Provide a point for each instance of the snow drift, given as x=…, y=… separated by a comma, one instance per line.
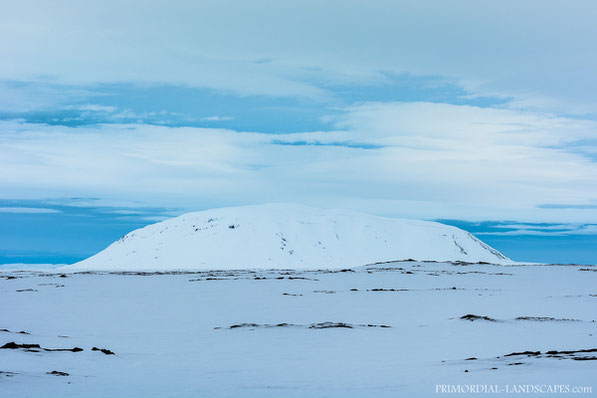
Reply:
x=285, y=236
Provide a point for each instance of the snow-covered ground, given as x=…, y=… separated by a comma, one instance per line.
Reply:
x=172, y=336
x=298, y=237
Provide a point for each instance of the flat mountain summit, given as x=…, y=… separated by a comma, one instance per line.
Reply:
x=285, y=236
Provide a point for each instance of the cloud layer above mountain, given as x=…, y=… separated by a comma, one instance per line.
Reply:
x=411, y=159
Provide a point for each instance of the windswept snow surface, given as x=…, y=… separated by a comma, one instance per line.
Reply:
x=286, y=236
x=231, y=334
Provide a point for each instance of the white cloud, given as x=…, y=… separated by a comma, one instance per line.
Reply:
x=538, y=227
x=431, y=161
x=585, y=230
x=28, y=210
x=559, y=230
x=94, y=108
x=156, y=218
x=35, y=97
x=126, y=212
x=216, y=118
x=541, y=54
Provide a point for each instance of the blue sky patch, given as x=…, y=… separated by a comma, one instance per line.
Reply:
x=50, y=232
x=179, y=105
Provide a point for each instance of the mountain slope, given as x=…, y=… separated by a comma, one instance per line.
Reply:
x=285, y=236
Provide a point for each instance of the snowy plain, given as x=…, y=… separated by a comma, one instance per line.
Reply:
x=171, y=332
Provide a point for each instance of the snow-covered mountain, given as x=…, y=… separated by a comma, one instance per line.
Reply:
x=285, y=236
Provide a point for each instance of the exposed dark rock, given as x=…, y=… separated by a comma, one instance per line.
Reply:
x=244, y=325
x=472, y=317
x=104, y=350
x=321, y=325
x=57, y=373
x=554, y=352
x=545, y=319
x=32, y=347
x=471, y=359
x=74, y=349
x=527, y=353
x=369, y=325
x=259, y=325
x=208, y=279
x=564, y=354
x=327, y=325
x=12, y=346
x=10, y=331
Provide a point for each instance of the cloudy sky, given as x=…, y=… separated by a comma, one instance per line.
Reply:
x=121, y=113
